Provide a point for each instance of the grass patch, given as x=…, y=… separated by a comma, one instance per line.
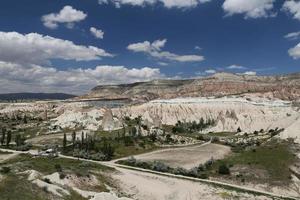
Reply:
x=274, y=157
x=221, y=134
x=48, y=165
x=15, y=188
x=124, y=151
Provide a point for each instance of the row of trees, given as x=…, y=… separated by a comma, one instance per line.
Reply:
x=6, y=138
x=183, y=127
x=89, y=146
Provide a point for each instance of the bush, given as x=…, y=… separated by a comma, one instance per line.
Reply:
x=62, y=176
x=25, y=147
x=203, y=176
x=5, y=170
x=58, y=167
x=47, y=180
x=180, y=171
x=159, y=166
x=223, y=169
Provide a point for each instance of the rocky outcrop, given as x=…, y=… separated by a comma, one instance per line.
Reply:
x=110, y=123
x=230, y=113
x=286, y=87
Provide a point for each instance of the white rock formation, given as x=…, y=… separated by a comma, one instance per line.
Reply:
x=89, y=119
x=230, y=113
x=110, y=123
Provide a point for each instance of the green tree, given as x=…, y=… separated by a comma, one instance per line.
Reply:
x=65, y=142
x=73, y=139
x=108, y=150
x=3, y=136
x=82, y=139
x=8, y=139
x=18, y=140
x=25, y=119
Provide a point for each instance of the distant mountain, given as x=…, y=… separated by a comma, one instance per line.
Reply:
x=35, y=96
x=286, y=87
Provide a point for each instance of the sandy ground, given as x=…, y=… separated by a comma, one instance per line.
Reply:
x=187, y=157
x=4, y=157
x=146, y=186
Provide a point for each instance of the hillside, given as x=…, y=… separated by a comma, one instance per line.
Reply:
x=285, y=87
x=35, y=96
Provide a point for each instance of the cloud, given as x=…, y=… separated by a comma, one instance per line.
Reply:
x=34, y=48
x=292, y=36
x=250, y=8
x=68, y=15
x=154, y=50
x=165, y=3
x=97, y=32
x=163, y=64
x=236, y=67
x=36, y=78
x=210, y=71
x=295, y=51
x=198, y=48
x=292, y=7
x=250, y=73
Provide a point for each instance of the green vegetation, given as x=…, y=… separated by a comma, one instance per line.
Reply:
x=15, y=187
x=191, y=127
x=107, y=145
x=63, y=166
x=274, y=157
x=107, y=148
x=196, y=172
x=50, y=165
x=221, y=134
x=267, y=163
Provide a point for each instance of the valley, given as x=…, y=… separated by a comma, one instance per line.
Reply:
x=244, y=146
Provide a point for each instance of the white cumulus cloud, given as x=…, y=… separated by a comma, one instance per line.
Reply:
x=210, y=71
x=68, y=15
x=36, y=78
x=98, y=33
x=165, y=3
x=154, y=49
x=236, y=67
x=293, y=35
x=34, y=48
x=295, y=51
x=292, y=7
x=249, y=8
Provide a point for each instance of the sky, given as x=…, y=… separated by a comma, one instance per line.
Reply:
x=74, y=45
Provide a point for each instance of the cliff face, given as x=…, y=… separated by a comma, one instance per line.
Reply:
x=285, y=87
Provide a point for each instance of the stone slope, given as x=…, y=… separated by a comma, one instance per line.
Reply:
x=230, y=113
x=286, y=87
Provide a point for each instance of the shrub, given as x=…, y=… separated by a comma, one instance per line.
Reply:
x=47, y=180
x=223, y=169
x=62, y=176
x=58, y=167
x=5, y=170
x=203, y=176
x=159, y=166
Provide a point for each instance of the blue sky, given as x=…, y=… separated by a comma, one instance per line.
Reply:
x=194, y=38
